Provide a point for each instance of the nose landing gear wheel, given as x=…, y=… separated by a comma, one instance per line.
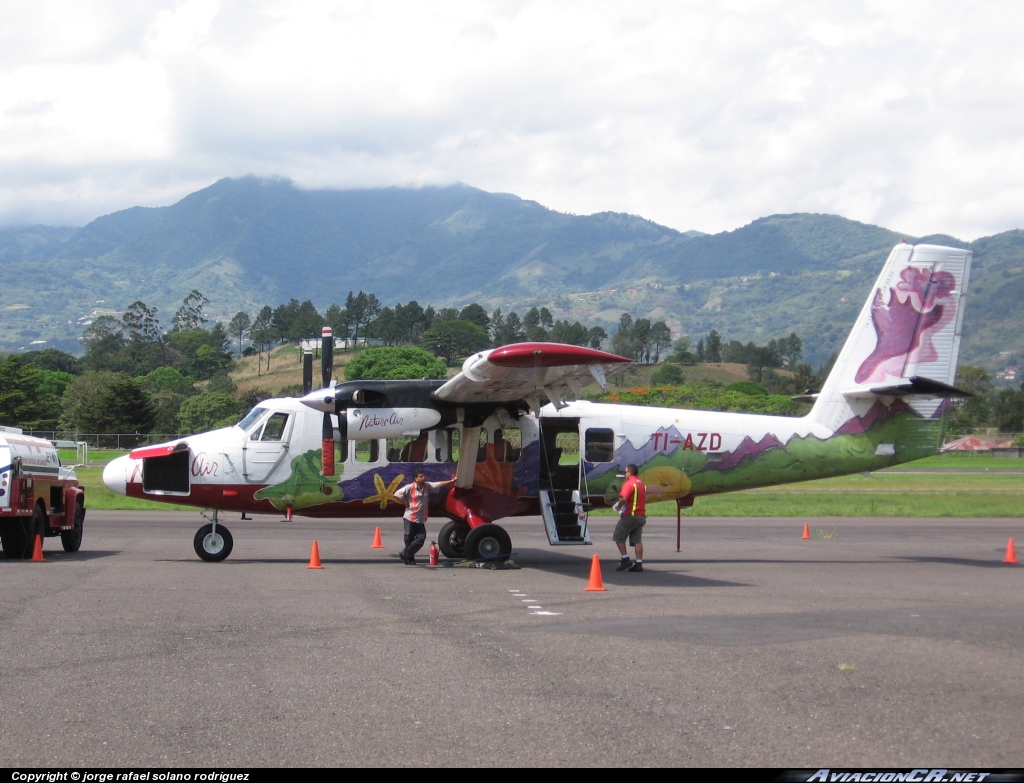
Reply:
x=213, y=547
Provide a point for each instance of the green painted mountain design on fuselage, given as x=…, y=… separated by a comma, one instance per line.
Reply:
x=802, y=458
x=305, y=486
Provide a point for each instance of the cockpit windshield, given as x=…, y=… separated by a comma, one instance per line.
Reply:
x=251, y=417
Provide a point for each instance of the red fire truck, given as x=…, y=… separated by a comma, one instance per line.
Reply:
x=38, y=497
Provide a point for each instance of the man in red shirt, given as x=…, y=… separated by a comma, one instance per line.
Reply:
x=632, y=506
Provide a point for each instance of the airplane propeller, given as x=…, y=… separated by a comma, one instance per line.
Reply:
x=326, y=370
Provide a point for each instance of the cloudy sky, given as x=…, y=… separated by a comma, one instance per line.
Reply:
x=698, y=115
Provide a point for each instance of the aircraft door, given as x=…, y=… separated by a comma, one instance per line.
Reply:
x=266, y=446
x=561, y=465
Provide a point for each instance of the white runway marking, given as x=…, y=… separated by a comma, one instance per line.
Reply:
x=539, y=609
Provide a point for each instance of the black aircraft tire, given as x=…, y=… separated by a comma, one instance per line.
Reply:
x=487, y=541
x=452, y=539
x=71, y=540
x=213, y=548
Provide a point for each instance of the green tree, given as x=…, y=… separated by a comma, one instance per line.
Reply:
x=103, y=339
x=476, y=314
x=22, y=404
x=239, y=325
x=668, y=374
x=262, y=335
x=1008, y=410
x=975, y=412
x=53, y=383
x=52, y=359
x=532, y=322
x=401, y=363
x=140, y=323
x=569, y=333
x=660, y=337
x=507, y=329
x=681, y=353
x=451, y=339
x=190, y=314
x=713, y=347
x=167, y=389
x=208, y=411
x=106, y=402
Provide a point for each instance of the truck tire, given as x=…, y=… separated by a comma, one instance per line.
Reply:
x=71, y=540
x=14, y=535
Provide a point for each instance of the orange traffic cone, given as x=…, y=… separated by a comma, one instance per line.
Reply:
x=376, y=540
x=314, y=557
x=807, y=532
x=596, y=582
x=1011, y=552
x=37, y=551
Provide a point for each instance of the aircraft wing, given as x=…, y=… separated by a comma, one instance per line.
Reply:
x=533, y=372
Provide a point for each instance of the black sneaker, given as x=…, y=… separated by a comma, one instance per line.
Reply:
x=410, y=560
x=637, y=567
x=624, y=564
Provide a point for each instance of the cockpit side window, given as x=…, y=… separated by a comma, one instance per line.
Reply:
x=274, y=428
x=251, y=417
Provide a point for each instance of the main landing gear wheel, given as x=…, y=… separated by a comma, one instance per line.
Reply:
x=213, y=547
x=487, y=541
x=71, y=540
x=452, y=539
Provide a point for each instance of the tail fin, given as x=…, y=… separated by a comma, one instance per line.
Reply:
x=906, y=340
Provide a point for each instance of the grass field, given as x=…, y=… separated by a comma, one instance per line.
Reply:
x=946, y=486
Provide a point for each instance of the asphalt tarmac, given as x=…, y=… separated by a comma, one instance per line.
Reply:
x=880, y=642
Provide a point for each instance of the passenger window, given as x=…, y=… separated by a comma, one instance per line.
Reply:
x=408, y=449
x=273, y=430
x=448, y=445
x=600, y=445
x=508, y=444
x=367, y=450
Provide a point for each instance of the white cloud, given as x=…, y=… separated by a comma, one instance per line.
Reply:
x=694, y=115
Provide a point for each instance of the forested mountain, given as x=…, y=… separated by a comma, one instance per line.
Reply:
x=250, y=242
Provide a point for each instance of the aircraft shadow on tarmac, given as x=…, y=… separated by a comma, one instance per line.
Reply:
x=961, y=561
x=657, y=573
x=57, y=556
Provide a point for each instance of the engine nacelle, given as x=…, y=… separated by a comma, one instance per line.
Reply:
x=374, y=423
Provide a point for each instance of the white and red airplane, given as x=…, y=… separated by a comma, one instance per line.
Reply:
x=504, y=426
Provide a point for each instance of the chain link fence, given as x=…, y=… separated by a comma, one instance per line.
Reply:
x=119, y=441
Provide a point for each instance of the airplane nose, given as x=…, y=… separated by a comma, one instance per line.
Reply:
x=115, y=475
x=321, y=400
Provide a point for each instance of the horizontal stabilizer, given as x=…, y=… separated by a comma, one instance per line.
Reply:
x=916, y=386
